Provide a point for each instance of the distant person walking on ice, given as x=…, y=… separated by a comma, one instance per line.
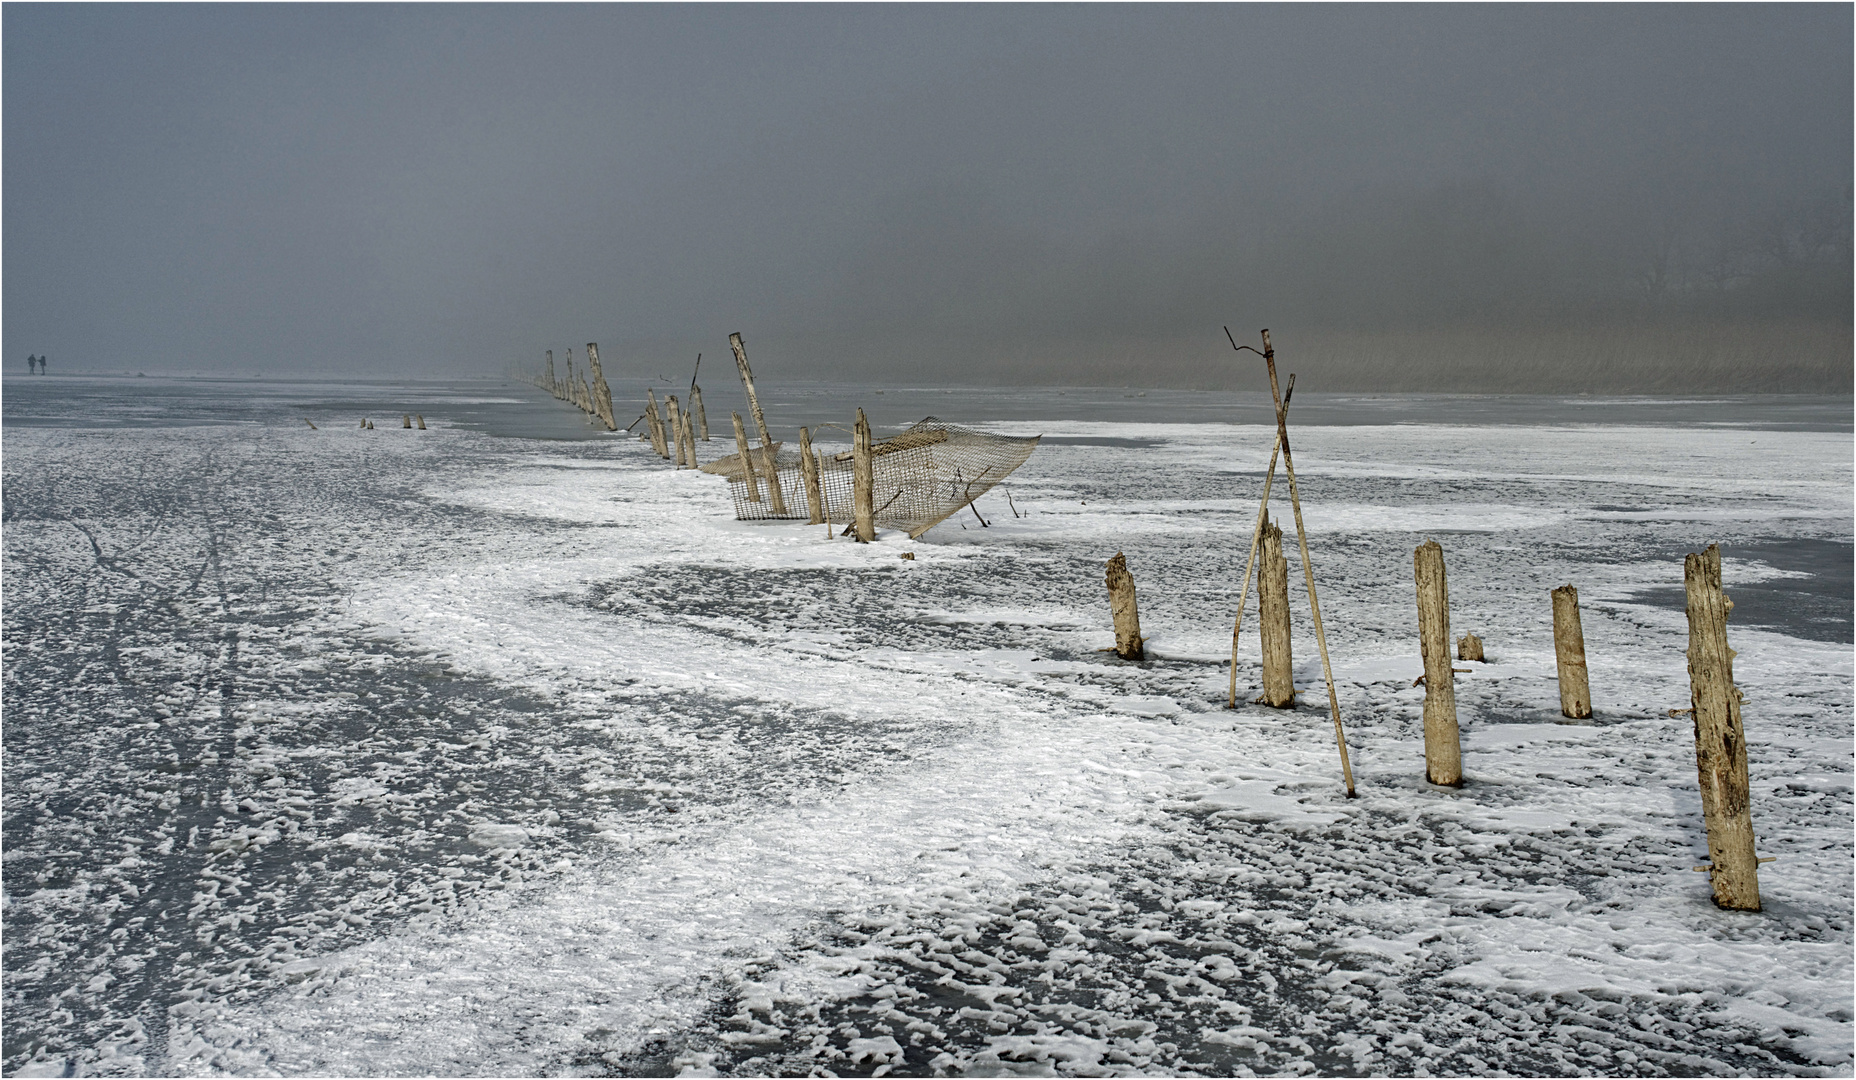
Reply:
x=42, y=365
x=32, y=364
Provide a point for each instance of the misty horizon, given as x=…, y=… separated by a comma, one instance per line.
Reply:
x=1410, y=198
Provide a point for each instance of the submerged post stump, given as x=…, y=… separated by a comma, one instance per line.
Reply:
x=1273, y=619
x=863, y=481
x=702, y=418
x=1469, y=647
x=1443, y=749
x=1720, y=741
x=1122, y=607
x=747, y=459
x=808, y=471
x=1569, y=650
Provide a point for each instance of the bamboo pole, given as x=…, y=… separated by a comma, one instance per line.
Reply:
x=1123, y=609
x=808, y=469
x=760, y=424
x=1256, y=537
x=1720, y=740
x=1569, y=652
x=863, y=481
x=747, y=460
x=1273, y=621
x=1308, y=567
x=1443, y=749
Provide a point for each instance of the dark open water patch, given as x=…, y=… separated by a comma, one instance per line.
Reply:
x=1816, y=608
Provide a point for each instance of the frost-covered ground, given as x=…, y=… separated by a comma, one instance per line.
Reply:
x=457, y=752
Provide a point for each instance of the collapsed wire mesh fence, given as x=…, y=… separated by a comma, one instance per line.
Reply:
x=920, y=477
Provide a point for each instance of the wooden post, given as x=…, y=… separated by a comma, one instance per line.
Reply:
x=554, y=386
x=1720, y=741
x=1469, y=647
x=689, y=440
x=1256, y=538
x=1308, y=567
x=676, y=426
x=818, y=470
x=1443, y=748
x=421, y=418
x=1569, y=650
x=808, y=469
x=771, y=467
x=747, y=459
x=863, y=481
x=1122, y=607
x=1273, y=621
x=655, y=421
x=602, y=394
x=702, y=418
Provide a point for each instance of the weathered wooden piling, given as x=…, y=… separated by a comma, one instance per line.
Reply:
x=808, y=471
x=1124, y=610
x=406, y=421
x=1569, y=651
x=747, y=459
x=655, y=420
x=1256, y=541
x=1443, y=749
x=1720, y=741
x=1469, y=647
x=863, y=481
x=702, y=418
x=689, y=440
x=1273, y=620
x=676, y=427
x=312, y=427
x=770, y=466
x=601, y=393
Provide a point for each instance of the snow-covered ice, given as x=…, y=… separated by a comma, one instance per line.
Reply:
x=499, y=748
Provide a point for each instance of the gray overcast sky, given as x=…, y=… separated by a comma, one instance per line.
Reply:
x=864, y=189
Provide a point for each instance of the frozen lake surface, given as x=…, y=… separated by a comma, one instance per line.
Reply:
x=499, y=748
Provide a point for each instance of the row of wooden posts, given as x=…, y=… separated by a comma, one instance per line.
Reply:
x=1720, y=743
x=592, y=398
x=674, y=429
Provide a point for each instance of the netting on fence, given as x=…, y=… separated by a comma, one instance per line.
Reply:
x=922, y=476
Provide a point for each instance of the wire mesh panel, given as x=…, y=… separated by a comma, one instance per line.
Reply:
x=922, y=476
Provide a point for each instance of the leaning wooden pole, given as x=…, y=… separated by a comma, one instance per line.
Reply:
x=760, y=424
x=1256, y=537
x=701, y=426
x=1308, y=568
x=1720, y=740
